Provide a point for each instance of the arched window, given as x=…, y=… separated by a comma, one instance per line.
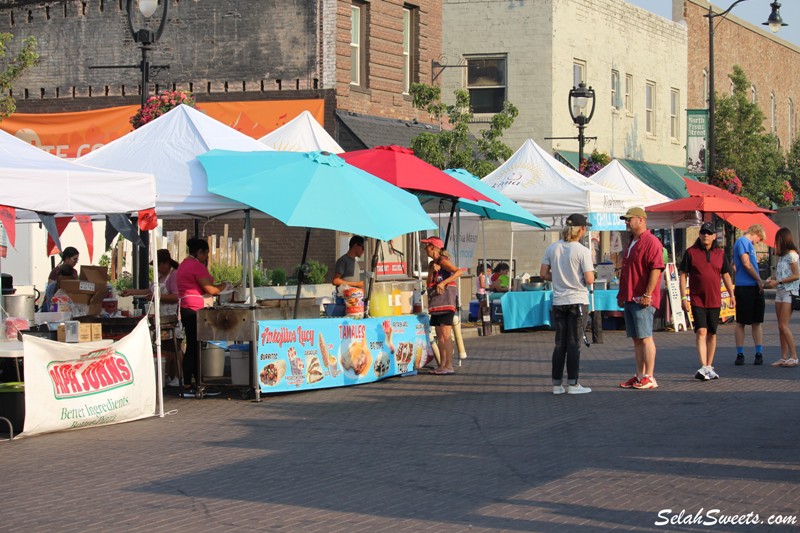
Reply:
x=773, y=113
x=791, y=121
x=753, y=94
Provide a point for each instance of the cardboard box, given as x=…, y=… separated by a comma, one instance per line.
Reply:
x=97, y=331
x=85, y=333
x=88, y=290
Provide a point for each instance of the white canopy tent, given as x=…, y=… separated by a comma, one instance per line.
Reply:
x=544, y=186
x=34, y=180
x=167, y=147
x=301, y=134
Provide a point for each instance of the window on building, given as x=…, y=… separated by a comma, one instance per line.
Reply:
x=791, y=121
x=674, y=113
x=773, y=113
x=650, y=107
x=753, y=94
x=410, y=18
x=629, y=93
x=706, y=97
x=486, y=83
x=358, y=49
x=615, y=89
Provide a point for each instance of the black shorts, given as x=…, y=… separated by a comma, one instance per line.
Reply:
x=442, y=320
x=707, y=318
x=749, y=305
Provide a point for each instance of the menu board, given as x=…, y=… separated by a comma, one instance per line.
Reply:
x=298, y=355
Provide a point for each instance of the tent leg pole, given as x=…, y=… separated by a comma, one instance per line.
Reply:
x=157, y=319
x=300, y=274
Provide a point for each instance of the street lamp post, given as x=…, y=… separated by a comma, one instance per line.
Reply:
x=775, y=22
x=579, y=98
x=146, y=37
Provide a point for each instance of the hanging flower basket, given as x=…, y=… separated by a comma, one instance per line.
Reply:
x=159, y=104
x=726, y=179
x=787, y=194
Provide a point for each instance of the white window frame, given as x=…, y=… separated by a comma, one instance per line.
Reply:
x=753, y=94
x=615, y=89
x=791, y=121
x=578, y=76
x=356, y=21
x=629, y=93
x=407, y=44
x=650, y=107
x=674, y=113
x=773, y=113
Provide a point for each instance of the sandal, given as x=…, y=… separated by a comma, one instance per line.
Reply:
x=791, y=362
x=779, y=362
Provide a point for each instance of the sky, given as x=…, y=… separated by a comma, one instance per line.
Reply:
x=753, y=11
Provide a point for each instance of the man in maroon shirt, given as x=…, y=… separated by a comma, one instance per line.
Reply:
x=640, y=295
x=704, y=263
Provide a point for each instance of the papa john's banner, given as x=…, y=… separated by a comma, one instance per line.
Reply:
x=74, y=386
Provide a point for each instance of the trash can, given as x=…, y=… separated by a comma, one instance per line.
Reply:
x=213, y=361
x=240, y=359
x=12, y=406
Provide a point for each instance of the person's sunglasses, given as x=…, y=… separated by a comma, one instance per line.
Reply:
x=706, y=233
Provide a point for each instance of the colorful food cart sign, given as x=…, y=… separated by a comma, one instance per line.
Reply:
x=298, y=355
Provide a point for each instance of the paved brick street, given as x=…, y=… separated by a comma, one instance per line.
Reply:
x=487, y=449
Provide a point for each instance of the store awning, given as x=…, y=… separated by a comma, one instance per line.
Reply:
x=666, y=179
x=359, y=132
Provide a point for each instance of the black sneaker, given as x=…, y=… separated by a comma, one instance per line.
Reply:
x=739, y=359
x=759, y=359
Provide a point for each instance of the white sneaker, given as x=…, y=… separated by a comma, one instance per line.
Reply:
x=175, y=382
x=710, y=373
x=578, y=389
x=702, y=374
x=558, y=389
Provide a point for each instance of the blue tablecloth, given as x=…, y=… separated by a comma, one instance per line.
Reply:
x=528, y=309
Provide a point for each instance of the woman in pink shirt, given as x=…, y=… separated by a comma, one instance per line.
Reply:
x=194, y=281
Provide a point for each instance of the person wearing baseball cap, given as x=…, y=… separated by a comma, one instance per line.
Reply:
x=568, y=264
x=704, y=263
x=442, y=295
x=640, y=295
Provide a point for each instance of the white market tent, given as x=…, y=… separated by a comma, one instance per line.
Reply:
x=544, y=186
x=34, y=180
x=167, y=147
x=301, y=134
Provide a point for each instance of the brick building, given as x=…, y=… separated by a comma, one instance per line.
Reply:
x=769, y=62
x=359, y=57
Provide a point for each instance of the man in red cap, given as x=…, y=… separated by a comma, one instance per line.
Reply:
x=640, y=295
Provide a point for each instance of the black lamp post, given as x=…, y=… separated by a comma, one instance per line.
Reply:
x=146, y=37
x=775, y=22
x=579, y=98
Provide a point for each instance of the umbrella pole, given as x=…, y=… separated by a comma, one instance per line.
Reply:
x=459, y=339
x=672, y=242
x=157, y=319
x=248, y=229
x=300, y=274
x=449, y=224
x=373, y=267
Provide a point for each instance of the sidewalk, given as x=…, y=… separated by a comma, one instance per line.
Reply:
x=489, y=449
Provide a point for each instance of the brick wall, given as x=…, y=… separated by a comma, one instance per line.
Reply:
x=769, y=62
x=382, y=95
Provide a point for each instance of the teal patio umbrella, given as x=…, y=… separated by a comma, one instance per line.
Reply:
x=314, y=190
x=505, y=208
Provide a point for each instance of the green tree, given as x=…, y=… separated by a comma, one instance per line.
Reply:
x=14, y=68
x=453, y=147
x=743, y=145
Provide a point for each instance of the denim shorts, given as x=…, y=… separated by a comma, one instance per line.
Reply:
x=639, y=320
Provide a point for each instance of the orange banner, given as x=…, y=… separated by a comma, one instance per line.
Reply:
x=72, y=135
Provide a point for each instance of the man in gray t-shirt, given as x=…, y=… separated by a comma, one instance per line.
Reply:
x=346, y=271
x=568, y=264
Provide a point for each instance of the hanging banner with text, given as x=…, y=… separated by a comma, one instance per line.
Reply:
x=696, y=135
x=72, y=135
x=74, y=386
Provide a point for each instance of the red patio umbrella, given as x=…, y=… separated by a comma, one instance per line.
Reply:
x=400, y=167
x=706, y=204
x=739, y=220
